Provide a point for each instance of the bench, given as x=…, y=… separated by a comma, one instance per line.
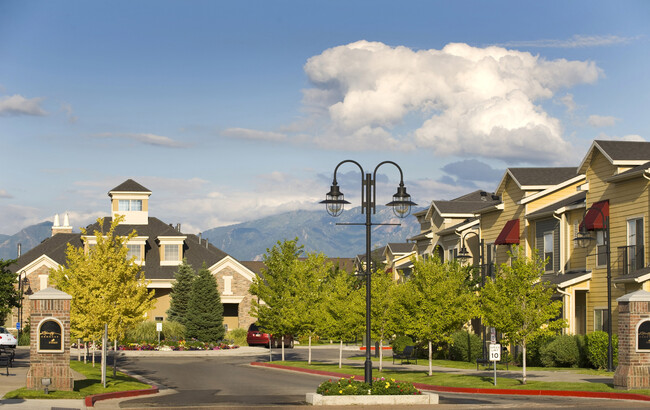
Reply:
x=9, y=351
x=4, y=361
x=406, y=355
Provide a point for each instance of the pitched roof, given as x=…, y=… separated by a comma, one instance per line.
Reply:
x=196, y=253
x=575, y=199
x=469, y=222
x=129, y=186
x=619, y=153
x=541, y=176
x=401, y=247
x=467, y=204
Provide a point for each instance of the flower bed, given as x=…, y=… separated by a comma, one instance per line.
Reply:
x=178, y=346
x=351, y=387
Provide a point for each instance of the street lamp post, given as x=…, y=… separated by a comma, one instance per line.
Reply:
x=22, y=283
x=401, y=204
x=583, y=239
x=464, y=255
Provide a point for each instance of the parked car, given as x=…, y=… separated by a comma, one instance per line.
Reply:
x=6, y=338
x=256, y=337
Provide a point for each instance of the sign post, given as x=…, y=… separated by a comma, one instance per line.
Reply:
x=495, y=356
x=159, y=329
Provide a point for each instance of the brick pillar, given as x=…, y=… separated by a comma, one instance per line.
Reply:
x=633, y=371
x=50, y=340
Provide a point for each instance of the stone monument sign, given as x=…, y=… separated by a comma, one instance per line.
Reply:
x=633, y=370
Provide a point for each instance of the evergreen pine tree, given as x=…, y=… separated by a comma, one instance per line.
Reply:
x=181, y=292
x=204, y=317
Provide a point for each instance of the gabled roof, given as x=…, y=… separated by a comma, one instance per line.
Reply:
x=566, y=279
x=465, y=206
x=466, y=224
x=618, y=153
x=574, y=200
x=129, y=186
x=396, y=248
x=196, y=253
x=631, y=173
x=536, y=179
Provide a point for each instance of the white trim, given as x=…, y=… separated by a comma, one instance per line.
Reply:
x=581, y=278
x=37, y=263
x=232, y=299
x=554, y=188
x=235, y=265
x=227, y=286
x=160, y=283
x=170, y=263
x=171, y=240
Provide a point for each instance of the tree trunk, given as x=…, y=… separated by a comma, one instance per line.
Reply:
x=282, y=341
x=115, y=358
x=430, y=359
x=381, y=354
x=85, y=352
x=93, y=353
x=309, y=354
x=341, y=353
x=78, y=350
x=523, y=346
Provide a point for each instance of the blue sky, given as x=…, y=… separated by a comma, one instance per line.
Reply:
x=230, y=111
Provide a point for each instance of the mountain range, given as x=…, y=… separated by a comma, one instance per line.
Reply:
x=247, y=241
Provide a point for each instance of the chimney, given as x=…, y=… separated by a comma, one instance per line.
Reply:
x=178, y=227
x=19, y=249
x=199, y=238
x=57, y=228
x=206, y=243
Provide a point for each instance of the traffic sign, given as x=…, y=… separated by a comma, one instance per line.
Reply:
x=495, y=352
x=17, y=325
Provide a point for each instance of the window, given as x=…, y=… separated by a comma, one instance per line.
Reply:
x=171, y=253
x=134, y=250
x=600, y=319
x=635, y=244
x=601, y=249
x=130, y=205
x=452, y=254
x=548, y=251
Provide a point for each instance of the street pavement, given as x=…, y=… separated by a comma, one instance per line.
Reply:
x=245, y=395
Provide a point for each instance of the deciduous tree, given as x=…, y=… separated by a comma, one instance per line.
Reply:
x=517, y=304
x=9, y=297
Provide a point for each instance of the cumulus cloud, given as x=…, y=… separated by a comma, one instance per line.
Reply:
x=255, y=135
x=145, y=138
x=5, y=194
x=473, y=170
x=629, y=137
x=16, y=105
x=467, y=101
x=598, y=121
x=576, y=41
x=568, y=102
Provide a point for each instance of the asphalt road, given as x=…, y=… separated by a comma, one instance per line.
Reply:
x=227, y=382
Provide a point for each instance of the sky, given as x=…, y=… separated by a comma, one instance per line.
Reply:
x=231, y=111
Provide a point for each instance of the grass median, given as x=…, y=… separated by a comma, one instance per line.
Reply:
x=92, y=384
x=441, y=378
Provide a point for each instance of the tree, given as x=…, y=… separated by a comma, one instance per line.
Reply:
x=343, y=308
x=181, y=292
x=9, y=297
x=105, y=286
x=382, y=308
x=204, y=317
x=276, y=290
x=518, y=304
x=436, y=301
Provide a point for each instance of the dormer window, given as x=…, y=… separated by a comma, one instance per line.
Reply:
x=130, y=205
x=171, y=250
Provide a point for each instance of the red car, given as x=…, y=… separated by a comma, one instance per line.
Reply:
x=256, y=337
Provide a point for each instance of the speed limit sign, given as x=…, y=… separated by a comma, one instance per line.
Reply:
x=495, y=352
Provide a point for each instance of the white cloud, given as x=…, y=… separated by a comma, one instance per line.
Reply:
x=249, y=134
x=598, y=121
x=145, y=138
x=568, y=102
x=629, y=137
x=576, y=41
x=5, y=194
x=18, y=105
x=468, y=101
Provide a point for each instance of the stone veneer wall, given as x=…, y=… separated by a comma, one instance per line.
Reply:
x=239, y=286
x=633, y=370
x=50, y=303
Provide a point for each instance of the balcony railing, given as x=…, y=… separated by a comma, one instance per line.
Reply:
x=629, y=259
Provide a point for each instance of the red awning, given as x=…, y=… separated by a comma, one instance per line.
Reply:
x=509, y=234
x=594, y=218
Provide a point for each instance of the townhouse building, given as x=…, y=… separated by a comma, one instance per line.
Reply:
x=545, y=208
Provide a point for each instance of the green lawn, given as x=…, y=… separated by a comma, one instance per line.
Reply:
x=472, y=365
x=451, y=380
x=82, y=388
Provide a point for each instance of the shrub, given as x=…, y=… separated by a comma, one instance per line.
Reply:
x=465, y=346
x=146, y=332
x=597, y=349
x=401, y=342
x=24, y=340
x=351, y=387
x=237, y=336
x=581, y=342
x=533, y=347
x=561, y=352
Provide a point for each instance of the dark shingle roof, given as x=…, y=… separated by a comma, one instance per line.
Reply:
x=194, y=252
x=129, y=186
x=625, y=150
x=453, y=228
x=572, y=200
x=401, y=247
x=558, y=279
x=542, y=176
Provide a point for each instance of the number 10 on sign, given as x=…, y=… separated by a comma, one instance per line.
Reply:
x=495, y=356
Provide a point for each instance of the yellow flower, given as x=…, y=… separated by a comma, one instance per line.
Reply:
x=340, y=391
x=387, y=384
x=392, y=380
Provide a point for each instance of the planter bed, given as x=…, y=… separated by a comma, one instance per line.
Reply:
x=316, y=399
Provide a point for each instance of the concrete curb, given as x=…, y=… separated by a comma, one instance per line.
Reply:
x=90, y=400
x=422, y=386
x=316, y=399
